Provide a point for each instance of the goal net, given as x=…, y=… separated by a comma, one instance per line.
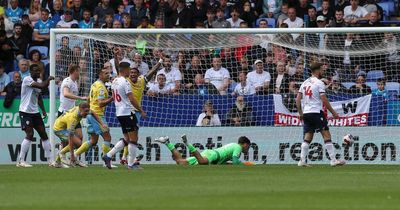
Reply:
x=217, y=85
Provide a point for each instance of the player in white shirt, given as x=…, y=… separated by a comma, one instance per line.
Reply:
x=312, y=95
x=259, y=78
x=218, y=76
x=125, y=103
x=69, y=93
x=173, y=75
x=29, y=114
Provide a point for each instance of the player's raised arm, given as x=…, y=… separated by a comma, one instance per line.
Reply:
x=153, y=70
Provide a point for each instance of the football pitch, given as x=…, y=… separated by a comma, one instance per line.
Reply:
x=227, y=187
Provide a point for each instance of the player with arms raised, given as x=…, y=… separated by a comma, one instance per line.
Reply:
x=228, y=152
x=312, y=92
x=138, y=84
x=98, y=99
x=124, y=103
x=31, y=100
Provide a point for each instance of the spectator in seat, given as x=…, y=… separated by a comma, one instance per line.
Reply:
x=23, y=66
x=243, y=87
x=4, y=78
x=355, y=13
x=218, y=76
x=65, y=50
x=173, y=75
x=312, y=15
x=77, y=10
x=299, y=76
x=67, y=20
x=220, y=21
x=280, y=80
x=338, y=21
x=271, y=8
x=248, y=14
x=14, y=12
x=120, y=9
x=294, y=21
x=19, y=44
x=140, y=64
x=6, y=52
x=335, y=87
x=360, y=87
x=87, y=20
x=126, y=21
x=326, y=11
x=289, y=99
x=244, y=65
x=373, y=20
x=12, y=90
x=101, y=11
x=56, y=11
x=180, y=17
x=241, y=114
x=34, y=11
x=198, y=12
x=145, y=23
x=235, y=20
x=225, y=8
x=27, y=28
x=259, y=78
x=283, y=14
x=161, y=88
x=381, y=91
x=117, y=24
x=41, y=31
x=209, y=116
x=108, y=21
x=137, y=12
x=390, y=44
x=199, y=87
x=36, y=58
x=302, y=8
x=193, y=69
x=211, y=13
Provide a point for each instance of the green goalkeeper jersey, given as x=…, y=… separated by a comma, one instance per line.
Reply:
x=229, y=152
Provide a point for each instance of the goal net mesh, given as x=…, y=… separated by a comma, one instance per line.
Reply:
x=266, y=69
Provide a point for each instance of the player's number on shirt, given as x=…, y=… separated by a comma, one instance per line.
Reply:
x=116, y=96
x=308, y=91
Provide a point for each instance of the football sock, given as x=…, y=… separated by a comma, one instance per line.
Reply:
x=65, y=150
x=191, y=148
x=132, y=153
x=118, y=147
x=170, y=146
x=83, y=148
x=304, y=150
x=106, y=147
x=24, y=149
x=125, y=153
x=47, y=149
x=331, y=150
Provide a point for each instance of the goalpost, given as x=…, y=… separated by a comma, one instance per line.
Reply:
x=274, y=128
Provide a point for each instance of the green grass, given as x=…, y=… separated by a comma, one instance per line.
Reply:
x=164, y=187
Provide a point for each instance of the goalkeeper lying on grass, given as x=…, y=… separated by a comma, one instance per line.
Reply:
x=229, y=152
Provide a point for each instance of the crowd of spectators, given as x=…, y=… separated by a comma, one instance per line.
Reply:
x=238, y=71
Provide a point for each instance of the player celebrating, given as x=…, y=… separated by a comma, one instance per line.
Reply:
x=229, y=152
x=124, y=104
x=312, y=91
x=98, y=101
x=69, y=93
x=64, y=128
x=29, y=114
x=138, y=84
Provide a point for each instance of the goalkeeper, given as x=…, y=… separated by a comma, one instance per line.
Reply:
x=228, y=152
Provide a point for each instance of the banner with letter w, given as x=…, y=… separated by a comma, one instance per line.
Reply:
x=353, y=112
